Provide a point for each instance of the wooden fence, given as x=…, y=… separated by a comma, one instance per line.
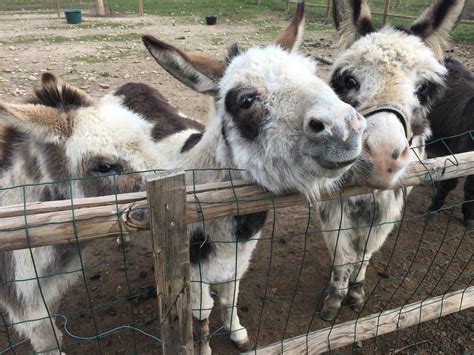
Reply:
x=385, y=14
x=171, y=205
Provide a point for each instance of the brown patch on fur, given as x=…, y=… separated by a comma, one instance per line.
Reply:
x=53, y=121
x=154, y=107
x=9, y=140
x=32, y=168
x=453, y=114
x=56, y=161
x=248, y=121
x=192, y=140
x=163, y=53
x=210, y=67
x=291, y=37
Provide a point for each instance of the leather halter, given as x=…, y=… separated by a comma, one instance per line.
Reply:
x=397, y=110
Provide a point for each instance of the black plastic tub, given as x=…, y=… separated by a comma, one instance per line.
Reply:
x=211, y=20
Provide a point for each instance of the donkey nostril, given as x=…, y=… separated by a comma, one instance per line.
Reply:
x=316, y=125
x=395, y=153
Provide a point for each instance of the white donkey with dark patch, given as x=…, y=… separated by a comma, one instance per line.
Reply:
x=271, y=117
x=274, y=118
x=392, y=77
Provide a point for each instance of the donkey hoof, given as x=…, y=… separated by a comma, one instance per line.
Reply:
x=328, y=314
x=243, y=346
x=355, y=304
x=241, y=339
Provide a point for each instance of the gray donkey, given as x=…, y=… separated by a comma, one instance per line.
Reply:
x=392, y=76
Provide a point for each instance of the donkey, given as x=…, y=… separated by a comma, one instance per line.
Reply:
x=278, y=122
x=392, y=77
x=452, y=116
x=272, y=117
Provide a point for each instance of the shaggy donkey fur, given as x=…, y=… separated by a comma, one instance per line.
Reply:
x=271, y=118
x=393, y=77
x=453, y=115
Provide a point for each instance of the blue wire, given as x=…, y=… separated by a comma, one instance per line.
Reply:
x=101, y=335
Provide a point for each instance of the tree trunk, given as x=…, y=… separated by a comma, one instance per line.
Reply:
x=100, y=8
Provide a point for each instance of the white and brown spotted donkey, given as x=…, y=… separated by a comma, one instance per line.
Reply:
x=271, y=117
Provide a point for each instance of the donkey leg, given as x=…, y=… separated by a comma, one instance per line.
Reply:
x=202, y=304
x=356, y=295
x=442, y=190
x=468, y=206
x=228, y=295
x=34, y=322
x=343, y=267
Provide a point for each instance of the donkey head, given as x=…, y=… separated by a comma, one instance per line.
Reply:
x=276, y=118
x=75, y=136
x=392, y=77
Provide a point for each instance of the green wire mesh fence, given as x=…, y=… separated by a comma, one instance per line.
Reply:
x=419, y=293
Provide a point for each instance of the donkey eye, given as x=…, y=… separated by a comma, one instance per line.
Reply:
x=350, y=82
x=247, y=101
x=421, y=89
x=104, y=168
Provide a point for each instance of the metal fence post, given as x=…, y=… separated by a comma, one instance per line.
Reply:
x=166, y=193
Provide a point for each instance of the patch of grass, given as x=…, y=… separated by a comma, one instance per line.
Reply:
x=216, y=41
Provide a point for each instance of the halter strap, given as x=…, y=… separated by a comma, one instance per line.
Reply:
x=397, y=110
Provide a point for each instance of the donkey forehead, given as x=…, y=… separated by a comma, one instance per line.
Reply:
x=109, y=128
x=391, y=51
x=270, y=68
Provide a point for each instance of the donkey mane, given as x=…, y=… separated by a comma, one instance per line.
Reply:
x=64, y=97
x=233, y=51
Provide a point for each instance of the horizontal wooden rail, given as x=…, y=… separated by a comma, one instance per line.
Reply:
x=56, y=222
x=465, y=22
x=373, y=325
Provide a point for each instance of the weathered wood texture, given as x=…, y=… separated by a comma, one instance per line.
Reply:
x=108, y=216
x=373, y=325
x=386, y=6
x=167, y=206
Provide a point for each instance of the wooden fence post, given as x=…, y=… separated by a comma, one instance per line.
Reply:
x=140, y=8
x=328, y=10
x=287, y=8
x=386, y=7
x=167, y=208
x=57, y=9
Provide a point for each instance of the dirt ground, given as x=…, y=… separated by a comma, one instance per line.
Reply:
x=421, y=259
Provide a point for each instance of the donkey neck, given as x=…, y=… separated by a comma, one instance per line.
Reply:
x=214, y=153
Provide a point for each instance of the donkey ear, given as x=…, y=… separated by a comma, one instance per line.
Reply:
x=436, y=22
x=352, y=20
x=292, y=37
x=45, y=123
x=198, y=72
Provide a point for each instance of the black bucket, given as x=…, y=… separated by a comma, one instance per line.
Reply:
x=211, y=20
